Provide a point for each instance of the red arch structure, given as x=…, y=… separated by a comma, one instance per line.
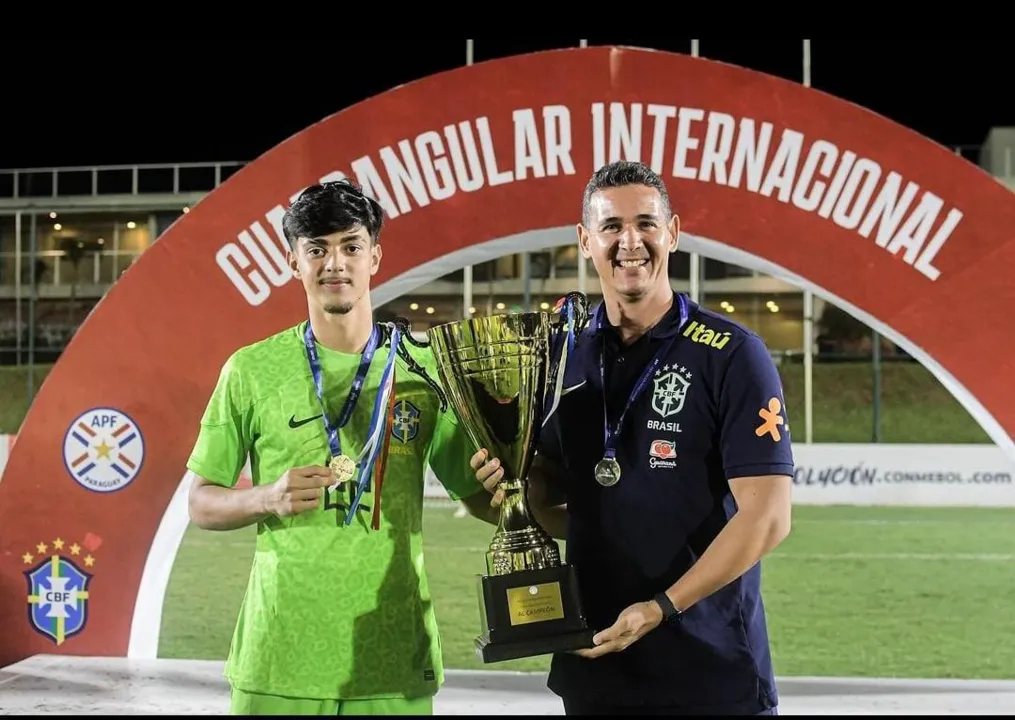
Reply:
x=471, y=164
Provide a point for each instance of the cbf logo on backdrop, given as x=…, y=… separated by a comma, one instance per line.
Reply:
x=103, y=450
x=58, y=580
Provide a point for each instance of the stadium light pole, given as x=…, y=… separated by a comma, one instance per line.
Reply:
x=583, y=267
x=693, y=259
x=808, y=311
x=461, y=510
x=876, y=369
x=467, y=270
x=17, y=286
x=33, y=256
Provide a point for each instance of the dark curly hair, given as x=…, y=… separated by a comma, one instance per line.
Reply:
x=332, y=207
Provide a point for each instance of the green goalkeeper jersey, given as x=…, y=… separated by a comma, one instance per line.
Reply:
x=333, y=611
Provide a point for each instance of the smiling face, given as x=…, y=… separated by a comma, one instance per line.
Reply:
x=629, y=234
x=335, y=269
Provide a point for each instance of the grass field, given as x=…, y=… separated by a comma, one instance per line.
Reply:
x=915, y=407
x=854, y=591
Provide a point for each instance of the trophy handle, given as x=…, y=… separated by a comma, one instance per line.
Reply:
x=405, y=335
x=574, y=307
x=573, y=316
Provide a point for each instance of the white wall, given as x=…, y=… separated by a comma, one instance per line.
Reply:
x=914, y=475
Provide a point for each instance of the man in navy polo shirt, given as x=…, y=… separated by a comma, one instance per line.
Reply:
x=667, y=468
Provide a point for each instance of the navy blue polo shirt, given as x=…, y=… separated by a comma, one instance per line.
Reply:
x=713, y=411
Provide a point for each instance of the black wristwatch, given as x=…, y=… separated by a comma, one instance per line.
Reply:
x=670, y=612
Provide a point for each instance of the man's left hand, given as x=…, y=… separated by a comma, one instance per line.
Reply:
x=632, y=624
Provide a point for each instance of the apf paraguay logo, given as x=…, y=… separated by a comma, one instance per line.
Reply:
x=58, y=586
x=103, y=450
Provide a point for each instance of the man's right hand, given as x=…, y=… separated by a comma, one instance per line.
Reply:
x=489, y=472
x=546, y=506
x=298, y=490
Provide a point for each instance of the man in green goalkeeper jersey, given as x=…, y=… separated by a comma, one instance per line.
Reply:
x=337, y=617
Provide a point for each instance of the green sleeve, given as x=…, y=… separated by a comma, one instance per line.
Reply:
x=224, y=437
x=449, y=455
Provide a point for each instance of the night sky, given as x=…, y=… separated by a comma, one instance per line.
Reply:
x=243, y=100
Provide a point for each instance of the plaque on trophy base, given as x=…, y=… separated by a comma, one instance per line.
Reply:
x=531, y=612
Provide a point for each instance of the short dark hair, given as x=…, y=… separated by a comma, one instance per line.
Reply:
x=619, y=174
x=332, y=207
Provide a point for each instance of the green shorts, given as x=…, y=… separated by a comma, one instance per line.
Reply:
x=247, y=703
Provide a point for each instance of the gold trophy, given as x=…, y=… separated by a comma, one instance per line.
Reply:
x=502, y=375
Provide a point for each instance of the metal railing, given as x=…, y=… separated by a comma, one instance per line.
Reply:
x=100, y=180
x=1002, y=167
x=968, y=152
x=555, y=277
x=176, y=178
x=104, y=267
x=54, y=269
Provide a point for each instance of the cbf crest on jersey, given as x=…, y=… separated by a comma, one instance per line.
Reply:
x=405, y=425
x=58, y=581
x=103, y=450
x=670, y=389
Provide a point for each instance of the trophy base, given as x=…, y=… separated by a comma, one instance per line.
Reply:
x=490, y=652
x=531, y=612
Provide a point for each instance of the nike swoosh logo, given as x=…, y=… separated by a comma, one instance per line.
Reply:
x=294, y=423
x=565, y=391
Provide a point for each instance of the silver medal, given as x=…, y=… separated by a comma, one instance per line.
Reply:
x=607, y=472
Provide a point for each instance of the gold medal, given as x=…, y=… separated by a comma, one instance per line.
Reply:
x=343, y=467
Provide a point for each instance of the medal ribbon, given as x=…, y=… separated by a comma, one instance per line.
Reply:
x=372, y=445
x=378, y=423
x=383, y=462
x=613, y=433
x=314, y=360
